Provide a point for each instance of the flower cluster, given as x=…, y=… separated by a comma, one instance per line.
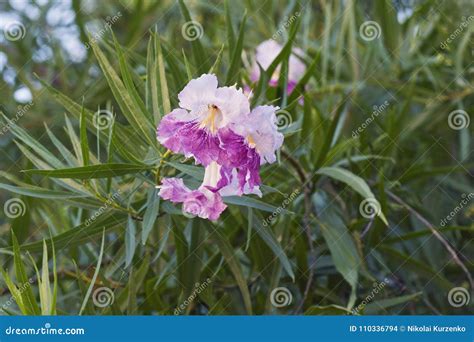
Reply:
x=215, y=126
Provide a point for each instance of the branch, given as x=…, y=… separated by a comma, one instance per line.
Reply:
x=437, y=234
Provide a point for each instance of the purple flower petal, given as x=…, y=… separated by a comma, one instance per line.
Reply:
x=201, y=202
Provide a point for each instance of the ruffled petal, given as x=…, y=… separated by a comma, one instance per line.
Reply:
x=198, y=93
x=241, y=157
x=201, y=202
x=205, y=204
x=174, y=190
x=189, y=139
x=234, y=188
x=261, y=131
x=233, y=103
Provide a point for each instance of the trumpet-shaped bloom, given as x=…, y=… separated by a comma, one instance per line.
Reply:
x=266, y=53
x=214, y=125
x=205, y=109
x=201, y=202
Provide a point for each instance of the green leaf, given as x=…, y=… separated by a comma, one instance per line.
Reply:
x=191, y=170
x=165, y=98
x=200, y=59
x=328, y=139
x=228, y=254
x=86, y=232
x=94, y=277
x=130, y=241
x=251, y=202
x=342, y=247
x=230, y=30
x=328, y=310
x=28, y=297
x=299, y=89
x=233, y=72
x=269, y=238
x=151, y=213
x=355, y=182
x=387, y=19
x=380, y=306
x=128, y=79
x=130, y=109
x=84, y=142
x=92, y=171
x=15, y=292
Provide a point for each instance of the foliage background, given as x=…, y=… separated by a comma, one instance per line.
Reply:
x=118, y=250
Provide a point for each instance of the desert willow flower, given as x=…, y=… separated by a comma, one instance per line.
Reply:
x=266, y=53
x=215, y=126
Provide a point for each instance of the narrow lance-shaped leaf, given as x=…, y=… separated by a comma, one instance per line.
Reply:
x=129, y=107
x=228, y=253
x=356, y=183
x=94, y=277
x=92, y=171
x=28, y=297
x=84, y=142
x=233, y=72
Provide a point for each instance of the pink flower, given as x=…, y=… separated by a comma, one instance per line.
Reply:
x=214, y=125
x=201, y=202
x=266, y=53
